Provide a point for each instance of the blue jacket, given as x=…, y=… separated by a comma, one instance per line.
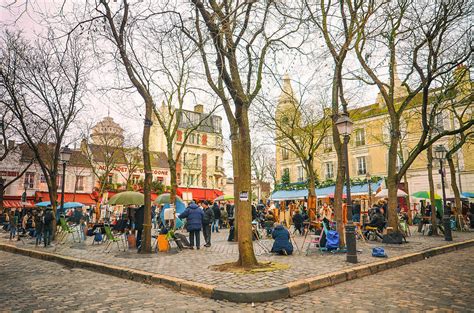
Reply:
x=194, y=216
x=282, y=240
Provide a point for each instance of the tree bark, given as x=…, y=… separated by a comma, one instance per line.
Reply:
x=247, y=257
x=432, y=190
x=454, y=185
x=146, y=242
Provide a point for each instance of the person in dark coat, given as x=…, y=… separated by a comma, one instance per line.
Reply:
x=298, y=222
x=207, y=220
x=47, y=226
x=194, y=216
x=39, y=227
x=139, y=219
x=282, y=244
x=217, y=217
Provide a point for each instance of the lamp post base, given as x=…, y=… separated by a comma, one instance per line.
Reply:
x=351, y=243
x=447, y=228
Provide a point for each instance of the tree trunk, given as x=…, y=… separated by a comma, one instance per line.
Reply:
x=53, y=196
x=247, y=257
x=235, y=167
x=339, y=188
x=2, y=192
x=454, y=185
x=432, y=190
x=146, y=237
x=311, y=188
x=392, y=176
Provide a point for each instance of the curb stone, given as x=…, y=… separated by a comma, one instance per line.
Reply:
x=290, y=289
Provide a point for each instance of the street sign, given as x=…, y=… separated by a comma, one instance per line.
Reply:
x=244, y=196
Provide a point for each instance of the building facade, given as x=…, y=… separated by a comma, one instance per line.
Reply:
x=200, y=165
x=368, y=146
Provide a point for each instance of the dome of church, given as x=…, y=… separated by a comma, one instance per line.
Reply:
x=107, y=132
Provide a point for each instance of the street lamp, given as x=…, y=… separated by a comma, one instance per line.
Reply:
x=440, y=154
x=65, y=155
x=344, y=126
x=368, y=176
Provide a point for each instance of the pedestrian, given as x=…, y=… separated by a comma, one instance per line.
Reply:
x=224, y=218
x=153, y=216
x=39, y=227
x=47, y=226
x=298, y=222
x=13, y=219
x=194, y=218
x=217, y=217
x=139, y=219
x=206, y=222
x=282, y=244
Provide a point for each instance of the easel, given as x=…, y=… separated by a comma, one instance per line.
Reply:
x=257, y=238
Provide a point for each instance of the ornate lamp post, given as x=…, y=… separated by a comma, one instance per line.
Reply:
x=440, y=154
x=65, y=155
x=344, y=126
x=368, y=177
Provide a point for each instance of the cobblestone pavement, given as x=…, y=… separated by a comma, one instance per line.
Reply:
x=443, y=283
x=182, y=265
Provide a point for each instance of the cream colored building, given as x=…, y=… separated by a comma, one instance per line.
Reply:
x=201, y=162
x=368, y=148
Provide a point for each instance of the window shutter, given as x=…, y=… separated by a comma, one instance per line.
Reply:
x=179, y=135
x=368, y=162
x=204, y=139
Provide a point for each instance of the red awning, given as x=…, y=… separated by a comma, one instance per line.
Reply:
x=201, y=193
x=17, y=204
x=83, y=198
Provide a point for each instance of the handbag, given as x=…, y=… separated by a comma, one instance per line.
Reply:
x=378, y=252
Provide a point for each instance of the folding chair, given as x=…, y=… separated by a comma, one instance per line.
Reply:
x=66, y=230
x=111, y=239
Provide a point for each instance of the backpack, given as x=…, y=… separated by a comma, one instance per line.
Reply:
x=48, y=217
x=332, y=240
x=98, y=237
x=394, y=238
x=378, y=252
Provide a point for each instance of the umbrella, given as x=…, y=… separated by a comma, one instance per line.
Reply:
x=224, y=198
x=164, y=198
x=127, y=198
x=424, y=195
x=331, y=195
x=72, y=205
x=384, y=193
x=43, y=204
x=468, y=194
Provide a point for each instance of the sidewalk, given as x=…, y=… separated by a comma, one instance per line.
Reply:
x=193, y=265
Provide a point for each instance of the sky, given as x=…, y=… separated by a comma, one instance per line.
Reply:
x=315, y=73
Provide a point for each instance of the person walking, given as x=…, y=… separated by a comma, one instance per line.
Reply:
x=217, y=217
x=194, y=221
x=47, y=226
x=298, y=222
x=13, y=219
x=139, y=219
x=206, y=222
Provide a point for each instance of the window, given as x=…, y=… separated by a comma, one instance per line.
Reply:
x=285, y=154
x=217, y=163
x=300, y=174
x=327, y=144
x=360, y=137
x=191, y=138
x=110, y=179
x=80, y=183
x=29, y=180
x=198, y=161
x=184, y=157
x=42, y=179
x=399, y=162
x=361, y=166
x=135, y=179
x=198, y=139
x=329, y=170
x=185, y=179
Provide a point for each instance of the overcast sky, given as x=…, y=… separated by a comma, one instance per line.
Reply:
x=127, y=110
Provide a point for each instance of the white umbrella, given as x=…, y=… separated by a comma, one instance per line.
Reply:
x=384, y=193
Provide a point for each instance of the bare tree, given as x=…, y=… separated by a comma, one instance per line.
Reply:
x=338, y=23
x=234, y=39
x=299, y=127
x=43, y=83
x=430, y=39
